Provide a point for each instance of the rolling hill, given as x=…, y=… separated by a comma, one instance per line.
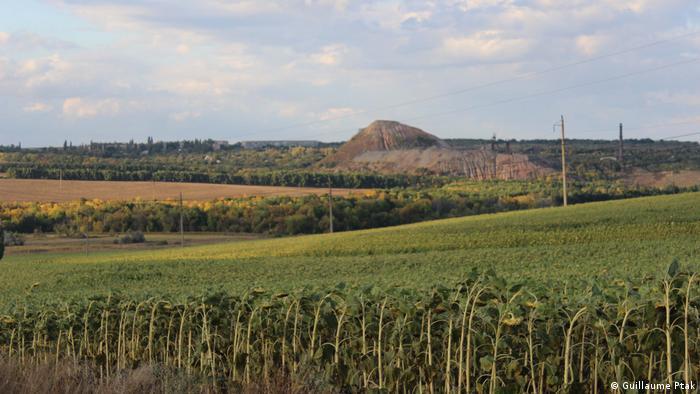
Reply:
x=330, y=311
x=629, y=238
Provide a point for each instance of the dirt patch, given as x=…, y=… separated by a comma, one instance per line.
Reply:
x=683, y=178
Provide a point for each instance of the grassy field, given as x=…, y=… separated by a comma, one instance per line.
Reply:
x=568, y=300
x=627, y=238
x=43, y=190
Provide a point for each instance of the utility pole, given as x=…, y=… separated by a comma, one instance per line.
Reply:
x=620, y=152
x=182, y=225
x=330, y=204
x=563, y=161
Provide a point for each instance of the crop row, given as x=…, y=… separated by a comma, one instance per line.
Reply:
x=484, y=335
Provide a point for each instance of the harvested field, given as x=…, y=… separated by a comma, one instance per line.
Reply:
x=683, y=178
x=54, y=243
x=42, y=190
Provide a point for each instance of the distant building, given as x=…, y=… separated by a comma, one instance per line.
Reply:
x=279, y=144
x=217, y=145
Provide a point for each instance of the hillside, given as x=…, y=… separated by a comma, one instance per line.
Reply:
x=633, y=237
x=391, y=147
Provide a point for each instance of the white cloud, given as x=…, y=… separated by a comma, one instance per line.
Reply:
x=485, y=45
x=257, y=62
x=416, y=16
x=338, y=5
x=330, y=55
x=470, y=5
x=589, y=45
x=37, y=107
x=332, y=113
x=185, y=115
x=288, y=110
x=28, y=67
x=77, y=107
x=50, y=70
x=674, y=98
x=195, y=87
x=246, y=7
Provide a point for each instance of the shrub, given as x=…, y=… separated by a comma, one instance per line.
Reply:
x=12, y=239
x=132, y=237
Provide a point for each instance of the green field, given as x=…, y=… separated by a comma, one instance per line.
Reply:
x=626, y=239
x=567, y=300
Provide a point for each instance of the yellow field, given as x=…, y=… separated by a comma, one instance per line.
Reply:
x=40, y=190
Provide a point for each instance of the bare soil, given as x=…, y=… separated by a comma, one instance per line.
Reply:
x=683, y=178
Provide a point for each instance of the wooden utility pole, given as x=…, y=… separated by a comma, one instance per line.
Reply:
x=563, y=161
x=620, y=154
x=182, y=224
x=330, y=204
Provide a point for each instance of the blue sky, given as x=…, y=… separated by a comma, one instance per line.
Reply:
x=105, y=70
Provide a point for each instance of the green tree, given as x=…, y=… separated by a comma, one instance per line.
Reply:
x=2, y=243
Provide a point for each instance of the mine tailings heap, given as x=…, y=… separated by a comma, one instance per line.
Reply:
x=391, y=147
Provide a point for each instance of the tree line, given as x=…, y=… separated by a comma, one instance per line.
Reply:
x=241, y=177
x=284, y=215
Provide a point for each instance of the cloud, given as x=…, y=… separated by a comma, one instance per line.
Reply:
x=472, y=5
x=329, y=55
x=39, y=72
x=251, y=64
x=288, y=110
x=589, y=45
x=37, y=107
x=416, y=16
x=339, y=5
x=332, y=113
x=185, y=115
x=485, y=45
x=22, y=41
x=674, y=98
x=77, y=107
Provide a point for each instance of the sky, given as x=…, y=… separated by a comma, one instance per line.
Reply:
x=102, y=70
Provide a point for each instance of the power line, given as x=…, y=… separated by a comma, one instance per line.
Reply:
x=547, y=92
x=477, y=87
x=558, y=90
x=680, y=136
x=646, y=127
x=652, y=126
